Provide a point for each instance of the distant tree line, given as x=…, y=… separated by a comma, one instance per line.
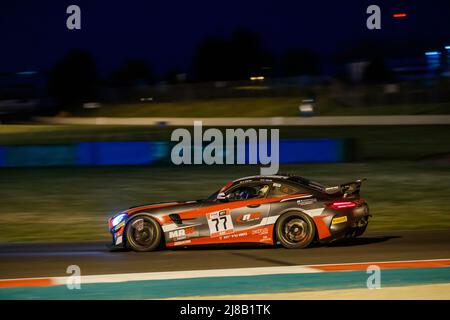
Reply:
x=74, y=79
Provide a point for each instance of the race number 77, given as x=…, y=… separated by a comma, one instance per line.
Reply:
x=220, y=223
x=224, y=219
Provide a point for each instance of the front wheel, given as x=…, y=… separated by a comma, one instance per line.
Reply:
x=143, y=234
x=295, y=230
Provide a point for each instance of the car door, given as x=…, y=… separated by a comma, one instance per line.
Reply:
x=251, y=212
x=226, y=221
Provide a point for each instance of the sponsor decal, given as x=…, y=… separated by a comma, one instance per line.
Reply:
x=184, y=233
x=119, y=232
x=232, y=236
x=304, y=202
x=249, y=217
x=120, y=225
x=180, y=243
x=339, y=220
x=260, y=231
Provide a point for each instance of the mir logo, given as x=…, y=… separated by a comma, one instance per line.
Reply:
x=374, y=280
x=73, y=281
x=235, y=139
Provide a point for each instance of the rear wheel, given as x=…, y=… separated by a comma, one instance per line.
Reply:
x=295, y=230
x=143, y=234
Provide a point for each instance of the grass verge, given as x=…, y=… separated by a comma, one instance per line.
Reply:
x=255, y=107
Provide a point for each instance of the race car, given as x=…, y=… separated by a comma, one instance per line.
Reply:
x=286, y=209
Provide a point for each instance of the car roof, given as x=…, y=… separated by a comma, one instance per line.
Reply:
x=284, y=177
x=259, y=177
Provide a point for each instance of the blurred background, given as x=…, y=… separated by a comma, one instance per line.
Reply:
x=70, y=156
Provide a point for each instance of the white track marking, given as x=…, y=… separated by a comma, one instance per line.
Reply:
x=170, y=275
x=211, y=273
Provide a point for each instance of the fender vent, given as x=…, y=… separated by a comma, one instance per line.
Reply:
x=175, y=218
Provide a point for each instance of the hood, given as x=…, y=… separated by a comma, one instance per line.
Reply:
x=169, y=206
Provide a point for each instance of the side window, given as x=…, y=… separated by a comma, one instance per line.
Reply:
x=281, y=189
x=248, y=191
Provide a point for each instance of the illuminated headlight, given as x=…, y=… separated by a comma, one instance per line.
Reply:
x=118, y=219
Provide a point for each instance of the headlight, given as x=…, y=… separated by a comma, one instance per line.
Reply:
x=118, y=219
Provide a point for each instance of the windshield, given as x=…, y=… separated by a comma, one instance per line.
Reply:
x=213, y=197
x=242, y=192
x=223, y=189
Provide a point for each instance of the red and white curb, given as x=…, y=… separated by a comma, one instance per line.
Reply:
x=235, y=272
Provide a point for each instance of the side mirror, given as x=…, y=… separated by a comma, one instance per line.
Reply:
x=222, y=197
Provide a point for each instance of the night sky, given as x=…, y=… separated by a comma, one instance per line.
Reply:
x=165, y=33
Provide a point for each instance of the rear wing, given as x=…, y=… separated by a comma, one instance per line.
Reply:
x=345, y=189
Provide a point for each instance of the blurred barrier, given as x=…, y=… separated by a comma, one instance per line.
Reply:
x=2, y=156
x=114, y=153
x=40, y=155
x=312, y=150
x=120, y=153
x=257, y=121
x=309, y=150
x=152, y=152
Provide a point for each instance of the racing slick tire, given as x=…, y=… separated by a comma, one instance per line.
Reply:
x=143, y=234
x=295, y=230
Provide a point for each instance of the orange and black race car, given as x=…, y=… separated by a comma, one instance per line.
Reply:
x=260, y=209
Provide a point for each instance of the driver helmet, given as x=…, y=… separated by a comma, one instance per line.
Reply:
x=263, y=190
x=244, y=194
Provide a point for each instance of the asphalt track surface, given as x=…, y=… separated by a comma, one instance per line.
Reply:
x=51, y=260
